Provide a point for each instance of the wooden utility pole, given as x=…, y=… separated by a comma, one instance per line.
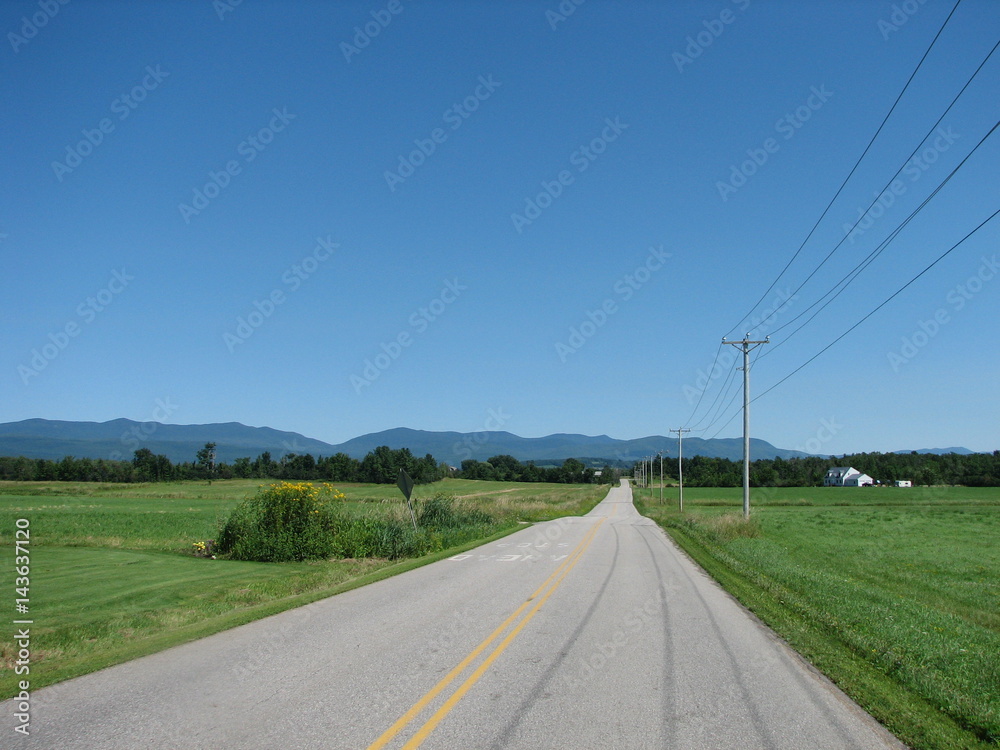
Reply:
x=680, y=469
x=660, y=454
x=747, y=346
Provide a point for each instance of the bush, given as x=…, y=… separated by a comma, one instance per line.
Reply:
x=284, y=522
x=440, y=512
x=296, y=521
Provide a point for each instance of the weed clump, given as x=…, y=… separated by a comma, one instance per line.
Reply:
x=282, y=523
x=723, y=528
x=296, y=521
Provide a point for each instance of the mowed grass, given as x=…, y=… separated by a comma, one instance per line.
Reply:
x=893, y=593
x=113, y=575
x=172, y=516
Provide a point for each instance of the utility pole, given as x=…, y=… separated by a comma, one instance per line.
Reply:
x=680, y=468
x=746, y=345
x=660, y=454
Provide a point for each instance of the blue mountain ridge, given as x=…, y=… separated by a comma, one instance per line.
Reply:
x=118, y=438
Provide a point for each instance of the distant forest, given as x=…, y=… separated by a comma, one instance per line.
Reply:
x=972, y=470
x=382, y=465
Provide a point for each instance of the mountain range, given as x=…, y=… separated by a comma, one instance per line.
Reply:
x=119, y=438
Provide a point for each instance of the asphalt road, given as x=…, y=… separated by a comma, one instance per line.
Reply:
x=591, y=632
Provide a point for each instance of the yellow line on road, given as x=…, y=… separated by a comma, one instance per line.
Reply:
x=449, y=704
x=557, y=575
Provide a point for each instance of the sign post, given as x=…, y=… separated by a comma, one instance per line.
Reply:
x=405, y=485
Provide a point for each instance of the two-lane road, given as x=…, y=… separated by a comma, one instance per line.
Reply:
x=591, y=632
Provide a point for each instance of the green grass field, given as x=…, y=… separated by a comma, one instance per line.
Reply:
x=893, y=593
x=113, y=575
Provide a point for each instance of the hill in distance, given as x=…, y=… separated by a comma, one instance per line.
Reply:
x=939, y=451
x=119, y=438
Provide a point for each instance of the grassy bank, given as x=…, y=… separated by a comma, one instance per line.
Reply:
x=894, y=594
x=113, y=576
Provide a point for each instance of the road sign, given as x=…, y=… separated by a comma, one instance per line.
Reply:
x=405, y=485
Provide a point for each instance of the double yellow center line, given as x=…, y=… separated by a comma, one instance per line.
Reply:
x=538, y=598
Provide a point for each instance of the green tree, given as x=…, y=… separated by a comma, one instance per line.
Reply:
x=572, y=470
x=205, y=459
x=243, y=468
x=339, y=468
x=506, y=468
x=145, y=464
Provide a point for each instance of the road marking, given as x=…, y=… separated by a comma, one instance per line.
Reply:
x=556, y=578
x=464, y=688
x=526, y=557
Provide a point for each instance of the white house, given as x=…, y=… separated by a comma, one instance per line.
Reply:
x=846, y=476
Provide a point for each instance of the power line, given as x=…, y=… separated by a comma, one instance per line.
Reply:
x=731, y=400
x=853, y=275
x=881, y=192
x=879, y=249
x=709, y=381
x=883, y=304
x=714, y=416
x=853, y=169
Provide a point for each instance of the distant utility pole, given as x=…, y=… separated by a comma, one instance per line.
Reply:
x=660, y=454
x=746, y=345
x=651, y=457
x=680, y=469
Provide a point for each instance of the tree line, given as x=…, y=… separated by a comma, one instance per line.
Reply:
x=505, y=468
x=972, y=470
x=380, y=466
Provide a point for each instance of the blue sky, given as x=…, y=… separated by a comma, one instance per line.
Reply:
x=339, y=217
